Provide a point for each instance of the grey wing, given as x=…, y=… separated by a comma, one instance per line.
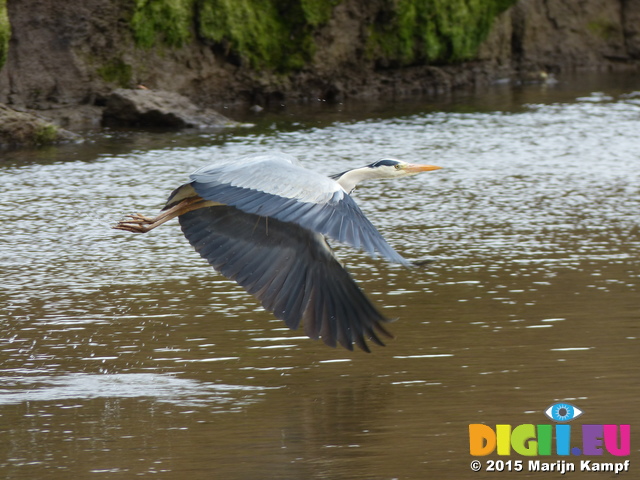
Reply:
x=274, y=186
x=289, y=269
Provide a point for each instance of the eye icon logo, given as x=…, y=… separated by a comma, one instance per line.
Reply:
x=562, y=412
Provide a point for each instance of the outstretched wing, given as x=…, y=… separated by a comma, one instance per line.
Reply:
x=274, y=186
x=291, y=270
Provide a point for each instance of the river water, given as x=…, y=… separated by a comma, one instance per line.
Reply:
x=126, y=356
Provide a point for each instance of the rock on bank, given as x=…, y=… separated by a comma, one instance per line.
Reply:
x=22, y=128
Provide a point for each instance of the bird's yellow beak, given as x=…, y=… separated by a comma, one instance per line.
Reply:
x=416, y=168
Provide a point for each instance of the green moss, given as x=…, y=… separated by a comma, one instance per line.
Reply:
x=414, y=31
x=274, y=34
x=317, y=12
x=278, y=34
x=116, y=72
x=603, y=29
x=249, y=28
x=5, y=32
x=162, y=21
x=45, y=133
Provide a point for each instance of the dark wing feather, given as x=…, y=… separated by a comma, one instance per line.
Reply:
x=289, y=269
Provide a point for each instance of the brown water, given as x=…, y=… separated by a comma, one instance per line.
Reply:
x=125, y=356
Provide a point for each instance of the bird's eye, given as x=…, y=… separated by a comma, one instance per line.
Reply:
x=397, y=166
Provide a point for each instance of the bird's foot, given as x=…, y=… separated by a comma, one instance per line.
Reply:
x=135, y=223
x=137, y=218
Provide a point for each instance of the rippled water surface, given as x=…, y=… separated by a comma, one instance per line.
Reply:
x=125, y=355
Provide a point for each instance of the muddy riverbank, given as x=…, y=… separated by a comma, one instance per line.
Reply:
x=75, y=53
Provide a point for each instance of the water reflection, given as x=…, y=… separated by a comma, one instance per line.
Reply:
x=126, y=355
x=160, y=388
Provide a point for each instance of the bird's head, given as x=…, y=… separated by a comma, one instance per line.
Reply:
x=385, y=168
x=392, y=168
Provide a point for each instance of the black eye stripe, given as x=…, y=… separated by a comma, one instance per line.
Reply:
x=384, y=163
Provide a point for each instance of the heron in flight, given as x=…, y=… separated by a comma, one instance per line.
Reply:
x=263, y=220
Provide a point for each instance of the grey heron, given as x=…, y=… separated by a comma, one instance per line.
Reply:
x=262, y=221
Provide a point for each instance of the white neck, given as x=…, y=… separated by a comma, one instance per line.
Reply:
x=350, y=179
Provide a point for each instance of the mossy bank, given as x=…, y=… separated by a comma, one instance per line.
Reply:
x=221, y=51
x=280, y=35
